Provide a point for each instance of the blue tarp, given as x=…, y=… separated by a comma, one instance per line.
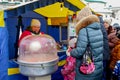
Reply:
x=18, y=76
x=3, y=53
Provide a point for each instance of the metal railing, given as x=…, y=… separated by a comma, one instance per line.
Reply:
x=4, y=4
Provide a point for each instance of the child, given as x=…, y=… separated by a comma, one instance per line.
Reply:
x=68, y=69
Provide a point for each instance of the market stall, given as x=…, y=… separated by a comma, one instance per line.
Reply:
x=16, y=18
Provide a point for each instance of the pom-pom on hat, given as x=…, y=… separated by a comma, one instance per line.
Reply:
x=35, y=22
x=84, y=13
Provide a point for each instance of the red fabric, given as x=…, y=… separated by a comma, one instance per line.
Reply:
x=41, y=32
x=25, y=33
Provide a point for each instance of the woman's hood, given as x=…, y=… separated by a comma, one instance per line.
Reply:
x=88, y=21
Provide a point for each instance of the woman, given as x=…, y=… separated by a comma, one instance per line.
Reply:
x=111, y=31
x=88, y=23
x=107, y=25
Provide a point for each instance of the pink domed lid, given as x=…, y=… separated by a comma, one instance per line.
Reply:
x=37, y=48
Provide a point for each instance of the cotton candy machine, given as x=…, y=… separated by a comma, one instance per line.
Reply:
x=37, y=55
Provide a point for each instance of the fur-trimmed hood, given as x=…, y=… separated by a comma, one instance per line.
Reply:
x=86, y=21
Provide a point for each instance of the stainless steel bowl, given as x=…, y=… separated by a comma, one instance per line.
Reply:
x=38, y=69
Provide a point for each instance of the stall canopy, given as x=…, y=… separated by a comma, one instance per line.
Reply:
x=56, y=13
x=54, y=10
